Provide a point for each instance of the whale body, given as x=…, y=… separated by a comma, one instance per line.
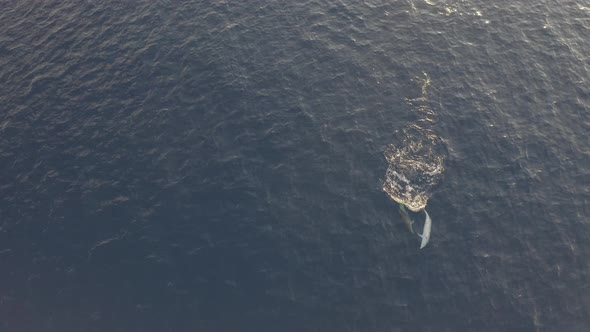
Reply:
x=406, y=218
x=425, y=236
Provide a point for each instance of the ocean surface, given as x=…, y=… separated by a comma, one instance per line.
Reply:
x=225, y=166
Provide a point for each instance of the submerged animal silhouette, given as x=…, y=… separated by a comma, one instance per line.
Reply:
x=406, y=218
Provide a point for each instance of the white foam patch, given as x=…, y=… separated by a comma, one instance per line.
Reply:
x=416, y=163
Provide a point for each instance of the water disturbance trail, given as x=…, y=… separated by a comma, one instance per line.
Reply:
x=416, y=162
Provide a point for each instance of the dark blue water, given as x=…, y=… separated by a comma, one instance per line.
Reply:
x=218, y=165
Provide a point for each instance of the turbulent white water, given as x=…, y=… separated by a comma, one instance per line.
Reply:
x=416, y=162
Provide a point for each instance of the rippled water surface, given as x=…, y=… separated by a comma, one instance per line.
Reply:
x=220, y=165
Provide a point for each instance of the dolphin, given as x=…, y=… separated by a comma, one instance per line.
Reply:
x=425, y=236
x=406, y=218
